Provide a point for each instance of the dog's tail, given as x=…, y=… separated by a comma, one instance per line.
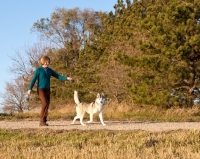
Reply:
x=76, y=99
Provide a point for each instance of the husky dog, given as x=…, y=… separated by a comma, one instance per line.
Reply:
x=90, y=108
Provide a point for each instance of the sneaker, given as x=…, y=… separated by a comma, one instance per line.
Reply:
x=43, y=124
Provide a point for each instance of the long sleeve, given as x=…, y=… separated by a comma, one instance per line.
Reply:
x=56, y=75
x=35, y=77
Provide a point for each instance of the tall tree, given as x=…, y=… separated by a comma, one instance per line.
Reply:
x=173, y=32
x=169, y=56
x=70, y=31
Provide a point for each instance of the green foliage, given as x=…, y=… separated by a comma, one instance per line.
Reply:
x=153, y=45
x=169, y=48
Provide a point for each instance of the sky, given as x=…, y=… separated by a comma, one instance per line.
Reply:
x=17, y=18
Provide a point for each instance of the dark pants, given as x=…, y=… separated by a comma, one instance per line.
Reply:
x=44, y=94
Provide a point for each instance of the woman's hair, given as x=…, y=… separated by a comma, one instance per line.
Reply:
x=44, y=59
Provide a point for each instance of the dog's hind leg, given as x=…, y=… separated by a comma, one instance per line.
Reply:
x=76, y=117
x=101, y=119
x=81, y=119
x=91, y=118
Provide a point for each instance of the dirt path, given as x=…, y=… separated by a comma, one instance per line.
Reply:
x=111, y=125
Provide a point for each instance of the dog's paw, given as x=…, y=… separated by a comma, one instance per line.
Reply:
x=83, y=124
x=104, y=124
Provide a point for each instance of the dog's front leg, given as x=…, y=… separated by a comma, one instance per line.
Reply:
x=101, y=118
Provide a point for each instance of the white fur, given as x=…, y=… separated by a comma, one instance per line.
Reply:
x=92, y=108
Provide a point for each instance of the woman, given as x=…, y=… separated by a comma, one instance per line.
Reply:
x=42, y=75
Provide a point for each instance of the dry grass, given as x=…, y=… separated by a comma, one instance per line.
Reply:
x=76, y=144
x=114, y=111
x=118, y=112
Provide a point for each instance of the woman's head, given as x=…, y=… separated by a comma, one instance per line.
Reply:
x=45, y=61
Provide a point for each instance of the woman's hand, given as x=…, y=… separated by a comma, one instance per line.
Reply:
x=29, y=92
x=69, y=79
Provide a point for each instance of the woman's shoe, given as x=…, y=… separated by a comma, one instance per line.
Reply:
x=43, y=124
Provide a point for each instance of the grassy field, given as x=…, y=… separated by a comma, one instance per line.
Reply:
x=76, y=144
x=103, y=144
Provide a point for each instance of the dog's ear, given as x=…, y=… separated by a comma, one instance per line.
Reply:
x=102, y=95
x=98, y=95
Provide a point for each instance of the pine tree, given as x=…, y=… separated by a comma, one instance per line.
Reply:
x=172, y=33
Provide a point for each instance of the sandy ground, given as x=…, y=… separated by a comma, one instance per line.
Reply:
x=110, y=125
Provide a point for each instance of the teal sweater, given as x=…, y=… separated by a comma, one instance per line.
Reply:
x=43, y=75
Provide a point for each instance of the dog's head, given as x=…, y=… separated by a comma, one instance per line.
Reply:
x=101, y=99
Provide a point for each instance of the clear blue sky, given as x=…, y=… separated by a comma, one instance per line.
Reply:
x=17, y=18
